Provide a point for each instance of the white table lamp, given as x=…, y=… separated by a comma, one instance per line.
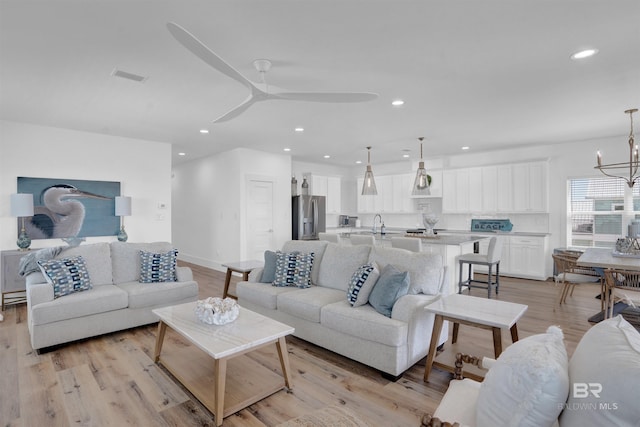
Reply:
x=123, y=208
x=21, y=207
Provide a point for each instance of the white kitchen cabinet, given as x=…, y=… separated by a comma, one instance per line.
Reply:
x=530, y=187
x=504, y=188
x=455, y=191
x=475, y=190
x=448, y=191
x=402, y=202
x=328, y=186
x=489, y=188
x=527, y=257
x=366, y=204
x=384, y=201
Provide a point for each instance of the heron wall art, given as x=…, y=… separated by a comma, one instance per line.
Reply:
x=67, y=208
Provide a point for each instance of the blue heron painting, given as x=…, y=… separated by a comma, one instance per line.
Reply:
x=68, y=209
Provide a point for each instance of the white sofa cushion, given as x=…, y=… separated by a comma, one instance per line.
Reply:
x=126, y=259
x=425, y=269
x=606, y=363
x=307, y=246
x=97, y=258
x=100, y=299
x=338, y=264
x=158, y=293
x=262, y=294
x=306, y=303
x=528, y=383
x=364, y=322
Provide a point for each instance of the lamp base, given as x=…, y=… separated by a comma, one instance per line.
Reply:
x=23, y=241
x=122, y=235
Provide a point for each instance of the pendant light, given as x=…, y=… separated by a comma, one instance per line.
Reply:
x=423, y=181
x=369, y=184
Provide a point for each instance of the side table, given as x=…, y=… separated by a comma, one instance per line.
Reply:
x=242, y=267
x=12, y=284
x=479, y=312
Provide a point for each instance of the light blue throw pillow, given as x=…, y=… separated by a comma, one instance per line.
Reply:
x=391, y=285
x=269, y=270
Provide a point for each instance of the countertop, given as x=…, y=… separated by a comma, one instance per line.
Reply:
x=398, y=231
x=439, y=239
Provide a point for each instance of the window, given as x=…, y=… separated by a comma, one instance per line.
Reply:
x=596, y=211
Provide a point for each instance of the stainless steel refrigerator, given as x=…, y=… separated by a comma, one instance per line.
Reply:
x=308, y=216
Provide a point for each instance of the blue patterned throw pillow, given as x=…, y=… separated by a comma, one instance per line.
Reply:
x=156, y=268
x=66, y=275
x=293, y=269
x=361, y=284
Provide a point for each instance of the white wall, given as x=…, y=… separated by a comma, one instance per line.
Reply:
x=142, y=167
x=209, y=204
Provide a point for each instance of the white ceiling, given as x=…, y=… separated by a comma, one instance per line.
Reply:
x=487, y=74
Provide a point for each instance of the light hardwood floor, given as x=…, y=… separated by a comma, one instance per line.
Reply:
x=112, y=380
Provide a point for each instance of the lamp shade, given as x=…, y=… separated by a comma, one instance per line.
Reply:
x=369, y=183
x=123, y=206
x=421, y=183
x=21, y=205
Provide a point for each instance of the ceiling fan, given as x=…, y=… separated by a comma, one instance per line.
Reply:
x=259, y=91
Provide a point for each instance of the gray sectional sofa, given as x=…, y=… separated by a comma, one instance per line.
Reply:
x=116, y=301
x=322, y=315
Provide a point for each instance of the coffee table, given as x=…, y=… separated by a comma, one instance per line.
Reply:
x=224, y=386
x=479, y=312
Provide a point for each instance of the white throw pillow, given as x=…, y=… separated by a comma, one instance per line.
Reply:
x=527, y=385
x=605, y=377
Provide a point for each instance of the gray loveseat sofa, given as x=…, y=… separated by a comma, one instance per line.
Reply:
x=116, y=301
x=322, y=315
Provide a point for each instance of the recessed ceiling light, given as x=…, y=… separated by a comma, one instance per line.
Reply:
x=326, y=156
x=358, y=162
x=287, y=149
x=204, y=130
x=299, y=129
x=182, y=154
x=586, y=53
x=397, y=102
x=405, y=155
x=465, y=148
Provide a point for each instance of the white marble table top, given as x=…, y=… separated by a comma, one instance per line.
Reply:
x=484, y=311
x=600, y=257
x=249, y=330
x=244, y=266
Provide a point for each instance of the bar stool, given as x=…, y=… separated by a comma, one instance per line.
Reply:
x=492, y=258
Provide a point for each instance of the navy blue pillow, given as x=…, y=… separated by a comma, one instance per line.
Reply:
x=269, y=271
x=391, y=285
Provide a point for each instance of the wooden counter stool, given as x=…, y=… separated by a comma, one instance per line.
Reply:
x=490, y=259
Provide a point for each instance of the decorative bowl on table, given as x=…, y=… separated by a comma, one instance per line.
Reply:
x=217, y=311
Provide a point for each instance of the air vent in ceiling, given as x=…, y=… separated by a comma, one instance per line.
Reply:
x=128, y=76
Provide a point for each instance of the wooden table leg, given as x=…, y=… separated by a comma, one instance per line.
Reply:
x=497, y=341
x=454, y=337
x=514, y=333
x=437, y=328
x=162, y=328
x=220, y=372
x=284, y=361
x=227, y=281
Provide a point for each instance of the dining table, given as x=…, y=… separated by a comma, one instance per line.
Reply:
x=602, y=259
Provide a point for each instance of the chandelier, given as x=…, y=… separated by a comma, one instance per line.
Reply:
x=616, y=170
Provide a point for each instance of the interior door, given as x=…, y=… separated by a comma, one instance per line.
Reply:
x=260, y=236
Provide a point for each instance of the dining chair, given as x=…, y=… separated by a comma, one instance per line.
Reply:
x=329, y=237
x=357, y=239
x=617, y=284
x=413, y=244
x=570, y=274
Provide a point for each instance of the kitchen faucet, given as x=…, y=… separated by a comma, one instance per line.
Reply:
x=374, y=229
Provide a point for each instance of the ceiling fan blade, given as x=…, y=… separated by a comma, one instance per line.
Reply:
x=327, y=96
x=237, y=110
x=198, y=48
